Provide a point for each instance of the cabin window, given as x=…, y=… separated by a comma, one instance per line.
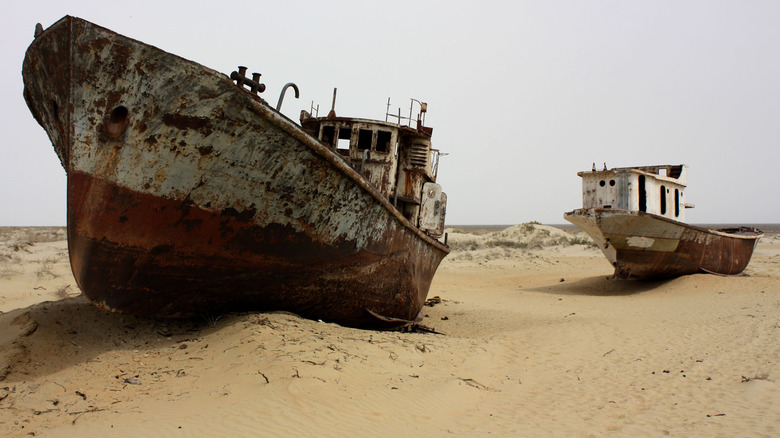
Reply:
x=612, y=183
x=344, y=136
x=364, y=139
x=383, y=141
x=663, y=199
x=328, y=135
x=676, y=203
x=602, y=183
x=642, y=194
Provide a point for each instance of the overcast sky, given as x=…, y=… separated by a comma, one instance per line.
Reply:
x=521, y=94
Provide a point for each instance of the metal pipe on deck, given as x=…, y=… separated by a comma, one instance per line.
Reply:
x=284, y=89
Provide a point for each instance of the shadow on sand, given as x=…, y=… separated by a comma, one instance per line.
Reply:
x=73, y=332
x=601, y=286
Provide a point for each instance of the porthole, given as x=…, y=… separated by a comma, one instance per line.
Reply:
x=116, y=122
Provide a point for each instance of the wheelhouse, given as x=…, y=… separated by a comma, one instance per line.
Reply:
x=398, y=160
x=659, y=190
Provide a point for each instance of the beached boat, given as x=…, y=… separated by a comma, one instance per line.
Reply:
x=189, y=195
x=636, y=216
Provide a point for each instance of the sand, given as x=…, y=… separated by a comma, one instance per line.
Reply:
x=533, y=340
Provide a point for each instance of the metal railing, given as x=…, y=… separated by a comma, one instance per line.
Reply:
x=420, y=115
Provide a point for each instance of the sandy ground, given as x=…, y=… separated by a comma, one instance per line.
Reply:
x=535, y=341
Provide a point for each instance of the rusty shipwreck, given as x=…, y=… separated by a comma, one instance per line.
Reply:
x=189, y=195
x=636, y=215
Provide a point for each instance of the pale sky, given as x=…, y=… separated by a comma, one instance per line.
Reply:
x=521, y=94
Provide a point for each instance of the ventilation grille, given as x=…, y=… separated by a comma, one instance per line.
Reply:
x=418, y=155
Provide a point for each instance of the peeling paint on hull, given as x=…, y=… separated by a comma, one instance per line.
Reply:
x=646, y=246
x=188, y=195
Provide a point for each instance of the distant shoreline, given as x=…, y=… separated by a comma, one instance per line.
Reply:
x=766, y=228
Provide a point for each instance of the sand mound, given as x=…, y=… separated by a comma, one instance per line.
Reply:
x=510, y=242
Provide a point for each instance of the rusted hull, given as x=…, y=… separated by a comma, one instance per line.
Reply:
x=188, y=196
x=646, y=246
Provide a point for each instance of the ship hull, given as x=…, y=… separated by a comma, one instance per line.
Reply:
x=646, y=246
x=190, y=196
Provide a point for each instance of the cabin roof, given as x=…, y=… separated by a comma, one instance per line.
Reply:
x=674, y=172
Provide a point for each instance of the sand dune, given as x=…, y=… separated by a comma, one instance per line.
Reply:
x=534, y=340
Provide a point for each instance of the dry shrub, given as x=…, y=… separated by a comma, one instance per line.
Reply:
x=45, y=234
x=47, y=269
x=11, y=265
x=63, y=291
